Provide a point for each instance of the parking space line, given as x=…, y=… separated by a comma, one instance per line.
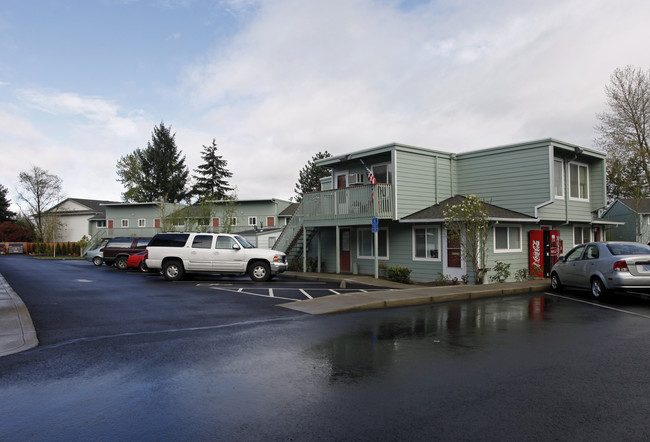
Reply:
x=305, y=293
x=598, y=305
x=334, y=291
x=271, y=293
x=250, y=293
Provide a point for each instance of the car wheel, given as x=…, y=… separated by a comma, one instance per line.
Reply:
x=143, y=267
x=598, y=290
x=173, y=270
x=556, y=285
x=259, y=271
x=120, y=263
x=97, y=260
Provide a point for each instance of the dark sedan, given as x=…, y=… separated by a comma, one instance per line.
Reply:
x=603, y=267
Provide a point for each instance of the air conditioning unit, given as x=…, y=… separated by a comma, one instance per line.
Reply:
x=355, y=178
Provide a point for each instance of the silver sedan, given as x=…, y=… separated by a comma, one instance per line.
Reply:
x=604, y=266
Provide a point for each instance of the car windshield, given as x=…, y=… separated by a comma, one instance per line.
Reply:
x=628, y=249
x=245, y=244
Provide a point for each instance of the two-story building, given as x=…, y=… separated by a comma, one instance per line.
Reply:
x=539, y=185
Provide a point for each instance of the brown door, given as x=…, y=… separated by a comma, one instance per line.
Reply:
x=453, y=249
x=345, y=250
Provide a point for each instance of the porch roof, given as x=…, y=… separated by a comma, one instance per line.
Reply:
x=435, y=213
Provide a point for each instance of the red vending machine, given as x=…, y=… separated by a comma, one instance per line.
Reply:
x=545, y=249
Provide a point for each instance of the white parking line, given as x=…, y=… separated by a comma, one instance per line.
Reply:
x=271, y=293
x=250, y=293
x=598, y=305
x=305, y=293
x=334, y=291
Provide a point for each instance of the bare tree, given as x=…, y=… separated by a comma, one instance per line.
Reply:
x=38, y=190
x=623, y=133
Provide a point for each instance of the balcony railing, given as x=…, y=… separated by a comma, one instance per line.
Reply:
x=366, y=201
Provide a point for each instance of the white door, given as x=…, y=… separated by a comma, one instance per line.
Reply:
x=202, y=253
x=227, y=258
x=453, y=262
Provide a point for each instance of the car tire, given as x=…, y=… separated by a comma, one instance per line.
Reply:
x=173, y=270
x=97, y=260
x=598, y=290
x=143, y=267
x=556, y=285
x=259, y=271
x=120, y=262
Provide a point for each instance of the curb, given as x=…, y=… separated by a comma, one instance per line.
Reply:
x=17, y=331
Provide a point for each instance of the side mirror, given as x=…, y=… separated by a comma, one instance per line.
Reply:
x=561, y=258
x=236, y=246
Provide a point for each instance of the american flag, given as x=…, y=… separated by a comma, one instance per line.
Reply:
x=371, y=177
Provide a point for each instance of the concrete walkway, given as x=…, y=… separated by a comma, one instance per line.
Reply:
x=407, y=295
x=16, y=328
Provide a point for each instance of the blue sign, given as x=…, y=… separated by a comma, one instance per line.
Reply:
x=375, y=225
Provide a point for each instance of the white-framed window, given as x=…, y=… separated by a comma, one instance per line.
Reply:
x=124, y=223
x=558, y=178
x=581, y=235
x=101, y=224
x=252, y=220
x=383, y=173
x=578, y=181
x=507, y=239
x=426, y=243
x=233, y=221
x=366, y=244
x=142, y=222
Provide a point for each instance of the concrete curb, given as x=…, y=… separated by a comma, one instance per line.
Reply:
x=350, y=302
x=17, y=331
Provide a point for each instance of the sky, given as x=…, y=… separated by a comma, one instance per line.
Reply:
x=84, y=82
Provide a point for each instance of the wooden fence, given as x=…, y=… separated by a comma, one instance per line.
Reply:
x=45, y=248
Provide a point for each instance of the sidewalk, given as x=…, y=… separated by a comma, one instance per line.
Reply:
x=407, y=295
x=16, y=329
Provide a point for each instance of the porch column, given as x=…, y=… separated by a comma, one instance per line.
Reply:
x=338, y=250
x=319, y=252
x=376, y=238
x=304, y=249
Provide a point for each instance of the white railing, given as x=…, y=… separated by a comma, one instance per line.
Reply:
x=366, y=201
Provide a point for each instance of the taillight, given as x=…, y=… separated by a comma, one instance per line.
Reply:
x=621, y=266
x=146, y=254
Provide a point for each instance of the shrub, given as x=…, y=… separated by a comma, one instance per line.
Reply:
x=399, y=274
x=522, y=275
x=502, y=271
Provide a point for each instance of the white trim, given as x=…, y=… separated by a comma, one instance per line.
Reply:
x=123, y=222
x=439, y=239
x=142, y=222
x=252, y=223
x=508, y=250
x=337, y=174
x=586, y=166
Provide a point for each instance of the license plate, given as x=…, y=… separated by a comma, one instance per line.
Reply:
x=643, y=267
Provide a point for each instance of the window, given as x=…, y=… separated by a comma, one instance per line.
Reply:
x=578, y=181
x=574, y=254
x=142, y=242
x=558, y=178
x=142, y=223
x=382, y=173
x=125, y=223
x=580, y=235
x=592, y=252
x=426, y=243
x=225, y=242
x=507, y=239
x=233, y=221
x=366, y=244
x=101, y=224
x=252, y=220
x=202, y=242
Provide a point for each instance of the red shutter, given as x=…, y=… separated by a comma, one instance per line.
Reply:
x=156, y=223
x=215, y=222
x=270, y=221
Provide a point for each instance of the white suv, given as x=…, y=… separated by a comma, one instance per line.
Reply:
x=179, y=253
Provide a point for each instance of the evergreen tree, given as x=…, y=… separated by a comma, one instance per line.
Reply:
x=5, y=213
x=156, y=173
x=310, y=175
x=211, y=178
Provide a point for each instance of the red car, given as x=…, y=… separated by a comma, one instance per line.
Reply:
x=136, y=261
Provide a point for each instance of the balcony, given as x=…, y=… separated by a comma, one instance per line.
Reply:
x=357, y=202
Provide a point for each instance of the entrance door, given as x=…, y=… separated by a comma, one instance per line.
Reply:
x=345, y=250
x=453, y=263
x=342, y=193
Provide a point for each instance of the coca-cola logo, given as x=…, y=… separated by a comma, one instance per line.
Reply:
x=537, y=254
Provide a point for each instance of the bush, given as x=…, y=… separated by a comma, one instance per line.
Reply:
x=399, y=274
x=522, y=275
x=502, y=272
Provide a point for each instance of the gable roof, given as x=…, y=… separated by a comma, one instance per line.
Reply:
x=638, y=205
x=289, y=211
x=435, y=213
